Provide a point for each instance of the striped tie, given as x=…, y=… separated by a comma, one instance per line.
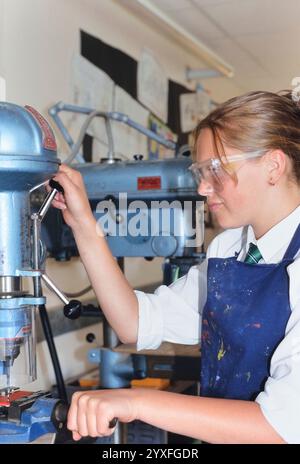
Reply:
x=253, y=255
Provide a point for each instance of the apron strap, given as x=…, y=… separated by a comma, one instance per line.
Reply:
x=294, y=245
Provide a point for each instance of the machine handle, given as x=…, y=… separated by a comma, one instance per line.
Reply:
x=73, y=309
x=113, y=423
x=60, y=415
x=56, y=185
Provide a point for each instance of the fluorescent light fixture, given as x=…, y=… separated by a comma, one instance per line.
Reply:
x=146, y=10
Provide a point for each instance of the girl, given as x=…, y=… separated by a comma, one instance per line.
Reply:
x=246, y=293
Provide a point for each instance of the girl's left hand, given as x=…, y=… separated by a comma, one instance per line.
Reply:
x=91, y=411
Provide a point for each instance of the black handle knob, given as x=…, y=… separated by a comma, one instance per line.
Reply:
x=59, y=414
x=113, y=423
x=55, y=185
x=73, y=309
x=90, y=338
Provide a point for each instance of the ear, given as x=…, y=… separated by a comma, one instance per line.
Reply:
x=276, y=164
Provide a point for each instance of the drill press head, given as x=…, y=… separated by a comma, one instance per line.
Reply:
x=28, y=157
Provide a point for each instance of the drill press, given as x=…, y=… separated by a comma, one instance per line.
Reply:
x=27, y=158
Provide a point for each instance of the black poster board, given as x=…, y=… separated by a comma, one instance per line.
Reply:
x=122, y=69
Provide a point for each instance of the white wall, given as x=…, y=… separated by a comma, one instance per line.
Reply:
x=40, y=36
x=37, y=41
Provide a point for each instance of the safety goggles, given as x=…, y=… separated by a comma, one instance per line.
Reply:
x=215, y=171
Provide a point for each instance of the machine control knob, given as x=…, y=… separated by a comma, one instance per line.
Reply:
x=73, y=309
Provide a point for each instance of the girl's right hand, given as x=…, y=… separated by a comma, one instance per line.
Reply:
x=74, y=203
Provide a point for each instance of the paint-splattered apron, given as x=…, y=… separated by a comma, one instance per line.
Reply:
x=244, y=320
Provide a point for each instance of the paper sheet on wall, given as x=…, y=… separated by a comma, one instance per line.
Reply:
x=92, y=88
x=128, y=141
x=152, y=84
x=156, y=150
x=193, y=108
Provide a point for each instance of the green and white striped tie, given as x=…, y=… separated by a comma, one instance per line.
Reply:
x=253, y=255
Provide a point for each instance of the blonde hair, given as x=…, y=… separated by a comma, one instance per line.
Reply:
x=257, y=121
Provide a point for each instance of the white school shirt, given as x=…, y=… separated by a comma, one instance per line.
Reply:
x=173, y=314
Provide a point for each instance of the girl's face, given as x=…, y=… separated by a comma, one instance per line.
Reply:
x=234, y=204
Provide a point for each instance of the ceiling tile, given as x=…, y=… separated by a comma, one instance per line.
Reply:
x=242, y=17
x=260, y=38
x=196, y=23
x=242, y=62
x=279, y=53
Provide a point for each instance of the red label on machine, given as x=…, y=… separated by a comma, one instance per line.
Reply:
x=49, y=142
x=149, y=183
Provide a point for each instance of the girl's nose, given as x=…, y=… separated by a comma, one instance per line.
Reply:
x=205, y=188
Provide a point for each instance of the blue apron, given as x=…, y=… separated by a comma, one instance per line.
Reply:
x=244, y=320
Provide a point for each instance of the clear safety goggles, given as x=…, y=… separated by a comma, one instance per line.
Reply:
x=215, y=171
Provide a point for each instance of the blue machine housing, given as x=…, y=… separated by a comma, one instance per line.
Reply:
x=28, y=157
x=173, y=179
x=151, y=195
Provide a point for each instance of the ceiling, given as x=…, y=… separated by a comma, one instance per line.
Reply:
x=259, y=38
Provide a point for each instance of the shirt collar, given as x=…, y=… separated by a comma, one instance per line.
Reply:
x=274, y=243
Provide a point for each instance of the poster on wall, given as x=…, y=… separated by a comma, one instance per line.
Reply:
x=156, y=150
x=152, y=85
x=92, y=88
x=193, y=108
x=129, y=141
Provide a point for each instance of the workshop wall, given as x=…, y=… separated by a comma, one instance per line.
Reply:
x=37, y=41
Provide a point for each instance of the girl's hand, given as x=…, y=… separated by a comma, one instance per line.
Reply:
x=91, y=411
x=74, y=203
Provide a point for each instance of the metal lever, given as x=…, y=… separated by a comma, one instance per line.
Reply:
x=60, y=413
x=56, y=187
x=37, y=219
x=72, y=308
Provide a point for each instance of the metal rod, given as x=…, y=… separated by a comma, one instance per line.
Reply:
x=121, y=117
x=62, y=392
x=115, y=116
x=46, y=205
x=50, y=284
x=37, y=287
